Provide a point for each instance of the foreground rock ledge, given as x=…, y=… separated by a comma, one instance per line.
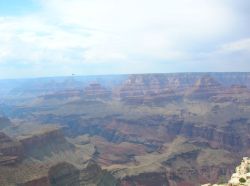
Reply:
x=241, y=177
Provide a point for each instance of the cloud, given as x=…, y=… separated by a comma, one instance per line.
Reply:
x=156, y=36
x=237, y=46
x=154, y=29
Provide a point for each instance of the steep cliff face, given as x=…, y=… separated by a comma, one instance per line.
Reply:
x=44, y=143
x=238, y=94
x=194, y=177
x=94, y=174
x=216, y=137
x=64, y=174
x=228, y=79
x=146, y=179
x=155, y=130
x=181, y=169
x=10, y=150
x=151, y=89
x=204, y=88
x=146, y=84
x=95, y=90
x=149, y=134
x=164, y=88
x=137, y=85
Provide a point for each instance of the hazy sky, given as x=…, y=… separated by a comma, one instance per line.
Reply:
x=61, y=37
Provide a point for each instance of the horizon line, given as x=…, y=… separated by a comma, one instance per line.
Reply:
x=121, y=74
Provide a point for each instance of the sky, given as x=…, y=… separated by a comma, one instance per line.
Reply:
x=94, y=37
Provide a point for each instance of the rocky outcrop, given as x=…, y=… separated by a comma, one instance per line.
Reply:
x=64, y=174
x=241, y=177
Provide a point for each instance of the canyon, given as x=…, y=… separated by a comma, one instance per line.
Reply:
x=180, y=129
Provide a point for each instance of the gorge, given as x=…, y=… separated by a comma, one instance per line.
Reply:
x=180, y=129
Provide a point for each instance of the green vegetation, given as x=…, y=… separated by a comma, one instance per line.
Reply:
x=248, y=169
x=242, y=180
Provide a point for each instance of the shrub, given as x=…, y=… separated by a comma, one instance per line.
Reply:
x=242, y=180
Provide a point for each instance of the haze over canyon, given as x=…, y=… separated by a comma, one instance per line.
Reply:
x=175, y=129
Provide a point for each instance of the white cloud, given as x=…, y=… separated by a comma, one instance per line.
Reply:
x=155, y=29
x=83, y=32
x=237, y=46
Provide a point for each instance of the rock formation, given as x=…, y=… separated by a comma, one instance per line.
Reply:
x=64, y=174
x=233, y=94
x=95, y=90
x=241, y=177
x=146, y=179
x=152, y=129
x=151, y=89
x=10, y=150
x=204, y=88
x=44, y=143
